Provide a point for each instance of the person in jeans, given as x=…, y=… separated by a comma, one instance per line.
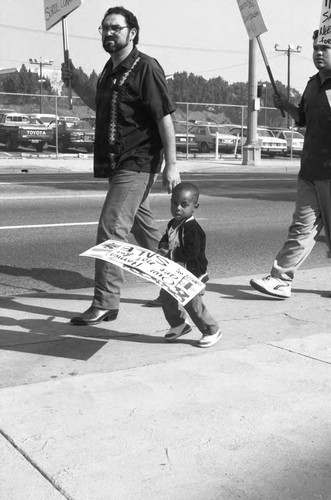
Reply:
x=134, y=133
x=184, y=242
x=313, y=202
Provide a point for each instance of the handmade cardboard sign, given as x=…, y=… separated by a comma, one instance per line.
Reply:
x=151, y=266
x=55, y=10
x=324, y=31
x=252, y=17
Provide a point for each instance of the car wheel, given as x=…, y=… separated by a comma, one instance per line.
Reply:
x=62, y=147
x=204, y=147
x=40, y=147
x=10, y=144
x=89, y=149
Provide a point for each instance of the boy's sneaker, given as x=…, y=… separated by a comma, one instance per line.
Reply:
x=209, y=340
x=270, y=285
x=177, y=331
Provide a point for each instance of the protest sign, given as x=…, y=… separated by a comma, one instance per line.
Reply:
x=55, y=10
x=253, y=20
x=151, y=266
x=324, y=31
x=252, y=17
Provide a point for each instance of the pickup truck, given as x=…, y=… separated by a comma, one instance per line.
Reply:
x=17, y=129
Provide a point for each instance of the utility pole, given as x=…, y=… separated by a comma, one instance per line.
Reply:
x=41, y=80
x=252, y=150
x=290, y=49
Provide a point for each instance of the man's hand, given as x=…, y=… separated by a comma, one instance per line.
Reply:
x=67, y=72
x=171, y=176
x=279, y=101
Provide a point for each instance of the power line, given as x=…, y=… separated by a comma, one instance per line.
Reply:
x=84, y=37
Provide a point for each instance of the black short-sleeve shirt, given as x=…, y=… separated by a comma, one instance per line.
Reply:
x=315, y=115
x=130, y=99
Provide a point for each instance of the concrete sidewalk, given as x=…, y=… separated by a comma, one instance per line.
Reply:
x=113, y=412
x=84, y=163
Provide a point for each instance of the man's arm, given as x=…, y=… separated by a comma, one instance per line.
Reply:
x=84, y=91
x=171, y=175
x=280, y=101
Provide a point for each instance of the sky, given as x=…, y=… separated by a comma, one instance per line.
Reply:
x=204, y=37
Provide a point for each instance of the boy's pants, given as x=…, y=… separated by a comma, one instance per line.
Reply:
x=126, y=209
x=175, y=314
x=312, y=212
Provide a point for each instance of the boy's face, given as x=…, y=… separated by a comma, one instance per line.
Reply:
x=322, y=57
x=183, y=204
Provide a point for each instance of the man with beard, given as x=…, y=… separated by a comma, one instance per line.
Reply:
x=313, y=204
x=134, y=131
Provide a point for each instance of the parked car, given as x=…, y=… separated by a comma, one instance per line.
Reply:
x=43, y=117
x=269, y=144
x=16, y=129
x=72, y=134
x=205, y=136
x=90, y=120
x=294, y=140
x=183, y=138
x=69, y=118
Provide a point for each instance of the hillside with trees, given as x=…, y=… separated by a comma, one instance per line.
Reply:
x=206, y=97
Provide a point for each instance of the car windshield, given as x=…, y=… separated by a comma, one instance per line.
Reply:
x=80, y=125
x=265, y=133
x=295, y=135
x=224, y=130
x=36, y=121
x=180, y=128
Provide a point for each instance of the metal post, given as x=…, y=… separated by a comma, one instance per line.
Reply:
x=41, y=86
x=252, y=151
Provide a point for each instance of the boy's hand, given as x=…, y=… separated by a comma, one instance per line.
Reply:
x=163, y=251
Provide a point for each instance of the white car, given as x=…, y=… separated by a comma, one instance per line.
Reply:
x=205, y=136
x=269, y=144
x=294, y=140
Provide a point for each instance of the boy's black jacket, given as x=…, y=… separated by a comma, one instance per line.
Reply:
x=191, y=251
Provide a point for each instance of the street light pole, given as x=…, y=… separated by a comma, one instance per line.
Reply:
x=47, y=62
x=290, y=49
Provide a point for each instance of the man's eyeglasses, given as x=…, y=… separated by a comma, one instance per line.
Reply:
x=114, y=28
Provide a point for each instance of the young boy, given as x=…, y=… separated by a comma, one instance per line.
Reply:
x=184, y=242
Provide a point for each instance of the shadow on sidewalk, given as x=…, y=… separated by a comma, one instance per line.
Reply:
x=59, y=278
x=48, y=336
x=246, y=292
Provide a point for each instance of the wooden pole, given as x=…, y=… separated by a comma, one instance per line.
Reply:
x=272, y=81
x=66, y=56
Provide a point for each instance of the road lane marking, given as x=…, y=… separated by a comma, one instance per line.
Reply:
x=66, y=224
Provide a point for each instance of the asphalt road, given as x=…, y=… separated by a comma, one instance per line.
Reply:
x=47, y=220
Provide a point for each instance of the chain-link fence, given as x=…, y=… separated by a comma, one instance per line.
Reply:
x=186, y=117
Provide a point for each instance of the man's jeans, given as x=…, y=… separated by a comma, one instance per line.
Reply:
x=175, y=314
x=126, y=209
x=312, y=212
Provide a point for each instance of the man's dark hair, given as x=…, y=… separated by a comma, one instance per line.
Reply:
x=315, y=34
x=130, y=19
x=188, y=186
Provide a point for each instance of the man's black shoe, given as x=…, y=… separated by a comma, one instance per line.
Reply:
x=94, y=315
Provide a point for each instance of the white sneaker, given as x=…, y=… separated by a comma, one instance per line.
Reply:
x=270, y=285
x=209, y=340
x=177, y=331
